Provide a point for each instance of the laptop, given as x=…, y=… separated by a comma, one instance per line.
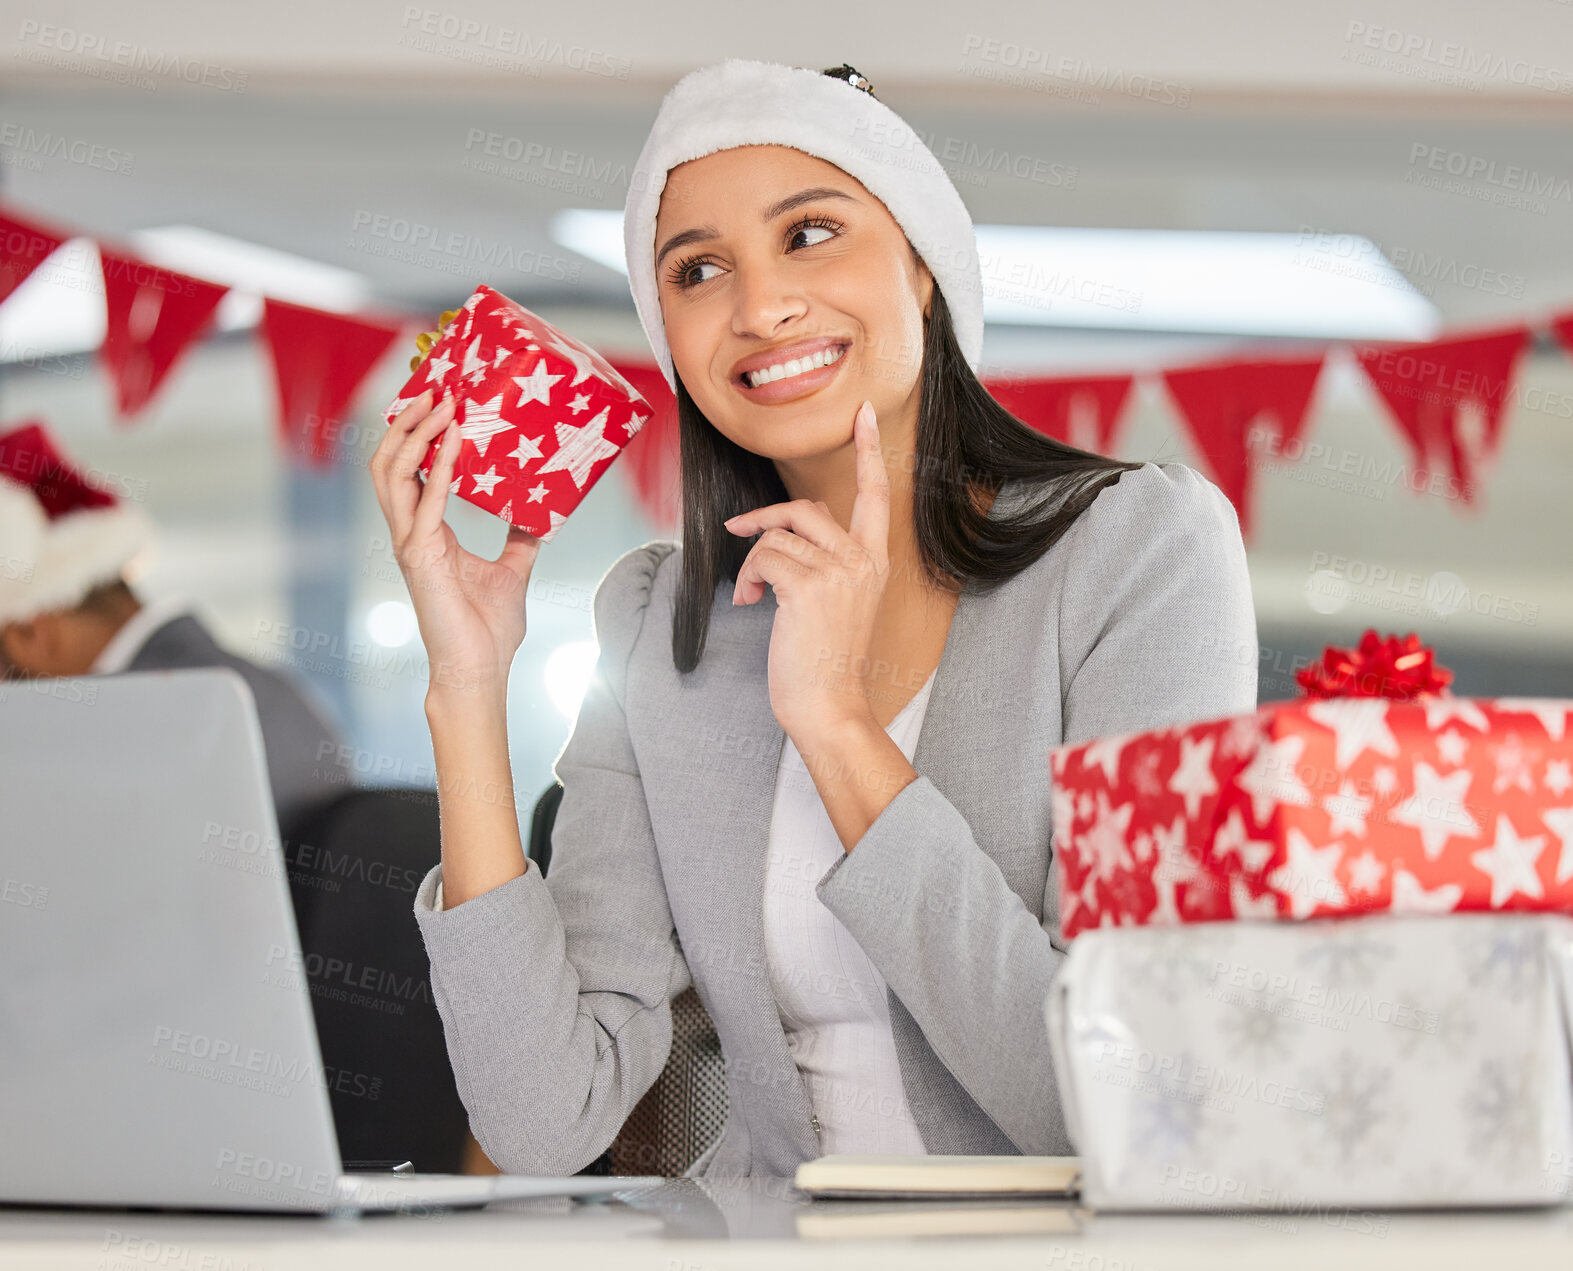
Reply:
x=157, y=1045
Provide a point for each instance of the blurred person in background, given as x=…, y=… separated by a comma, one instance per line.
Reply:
x=66, y=609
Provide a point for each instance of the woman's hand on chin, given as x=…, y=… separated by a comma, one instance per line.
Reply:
x=828, y=583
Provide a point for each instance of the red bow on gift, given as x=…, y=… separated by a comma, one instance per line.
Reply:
x=1390, y=667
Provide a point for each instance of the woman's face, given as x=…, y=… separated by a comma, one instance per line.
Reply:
x=761, y=276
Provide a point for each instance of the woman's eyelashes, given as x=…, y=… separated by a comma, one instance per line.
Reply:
x=680, y=274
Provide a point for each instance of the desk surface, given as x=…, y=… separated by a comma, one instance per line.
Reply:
x=685, y=1225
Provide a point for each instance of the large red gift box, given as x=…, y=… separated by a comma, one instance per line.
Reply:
x=543, y=416
x=1417, y=802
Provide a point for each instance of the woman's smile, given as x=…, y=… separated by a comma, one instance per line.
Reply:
x=802, y=370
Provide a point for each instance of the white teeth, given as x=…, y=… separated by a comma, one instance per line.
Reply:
x=794, y=367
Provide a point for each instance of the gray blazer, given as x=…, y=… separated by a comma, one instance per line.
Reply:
x=555, y=995
x=305, y=768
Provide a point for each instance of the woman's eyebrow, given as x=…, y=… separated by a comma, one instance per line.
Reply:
x=704, y=233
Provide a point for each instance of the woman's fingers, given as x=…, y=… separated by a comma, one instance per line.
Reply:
x=871, y=508
x=434, y=498
x=810, y=521
x=519, y=552
x=403, y=486
x=382, y=456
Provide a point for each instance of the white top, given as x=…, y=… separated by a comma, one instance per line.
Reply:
x=830, y=996
x=127, y=642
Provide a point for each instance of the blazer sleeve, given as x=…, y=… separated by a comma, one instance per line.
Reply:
x=555, y=994
x=1154, y=587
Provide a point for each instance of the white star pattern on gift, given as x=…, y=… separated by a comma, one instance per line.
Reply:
x=1348, y=809
x=1105, y=752
x=537, y=385
x=536, y=493
x=501, y=356
x=1307, y=876
x=1513, y=766
x=557, y=519
x=1193, y=779
x=1366, y=873
x=1436, y=808
x=1270, y=778
x=1441, y=709
x=437, y=367
x=1452, y=746
x=1510, y=863
x=587, y=363
x=485, y=482
x=1176, y=864
x=1552, y=714
x=1409, y=897
x=1359, y=723
x=507, y=512
x=528, y=448
x=580, y=404
x=1385, y=779
x=475, y=366
x=1234, y=840
x=1106, y=839
x=580, y=449
x=635, y=422
x=483, y=421
x=1559, y=776
x=1244, y=905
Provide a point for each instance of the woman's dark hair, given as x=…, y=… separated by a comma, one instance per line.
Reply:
x=967, y=444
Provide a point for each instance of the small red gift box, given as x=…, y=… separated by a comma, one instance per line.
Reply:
x=542, y=414
x=1342, y=802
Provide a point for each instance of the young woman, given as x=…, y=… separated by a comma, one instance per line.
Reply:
x=810, y=776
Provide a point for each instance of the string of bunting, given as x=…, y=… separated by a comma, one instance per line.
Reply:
x=1447, y=398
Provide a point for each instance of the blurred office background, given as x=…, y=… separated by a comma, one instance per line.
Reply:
x=306, y=142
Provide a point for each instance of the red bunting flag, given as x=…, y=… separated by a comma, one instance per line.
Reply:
x=1222, y=404
x=652, y=458
x=1430, y=387
x=319, y=360
x=1562, y=328
x=24, y=246
x=154, y=315
x=1081, y=412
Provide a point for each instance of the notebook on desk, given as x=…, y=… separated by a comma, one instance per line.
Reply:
x=898, y=1177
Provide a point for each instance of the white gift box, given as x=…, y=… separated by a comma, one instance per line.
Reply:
x=1373, y=1062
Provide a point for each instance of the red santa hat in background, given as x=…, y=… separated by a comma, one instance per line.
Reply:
x=60, y=535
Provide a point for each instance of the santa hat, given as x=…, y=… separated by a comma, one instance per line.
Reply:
x=60, y=535
x=833, y=116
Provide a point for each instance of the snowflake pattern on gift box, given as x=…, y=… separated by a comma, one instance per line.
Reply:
x=1165, y=962
x=1503, y=1110
x=1345, y=955
x=1506, y=963
x=1361, y=1115
x=1174, y=1121
x=1261, y=1027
